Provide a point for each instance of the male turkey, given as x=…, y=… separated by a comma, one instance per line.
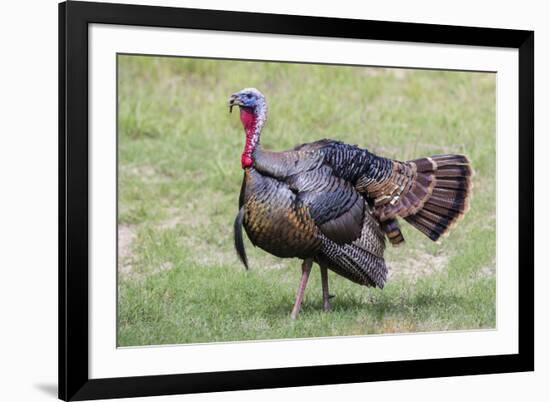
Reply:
x=333, y=203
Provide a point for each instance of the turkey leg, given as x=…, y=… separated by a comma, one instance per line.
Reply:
x=324, y=284
x=306, y=269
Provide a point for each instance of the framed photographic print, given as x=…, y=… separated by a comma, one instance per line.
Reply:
x=365, y=213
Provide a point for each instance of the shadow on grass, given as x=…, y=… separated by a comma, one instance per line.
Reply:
x=378, y=306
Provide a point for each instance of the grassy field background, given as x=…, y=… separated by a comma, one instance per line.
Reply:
x=179, y=280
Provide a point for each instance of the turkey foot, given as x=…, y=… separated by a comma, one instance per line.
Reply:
x=306, y=269
x=324, y=284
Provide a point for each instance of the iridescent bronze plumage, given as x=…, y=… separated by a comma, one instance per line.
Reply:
x=334, y=204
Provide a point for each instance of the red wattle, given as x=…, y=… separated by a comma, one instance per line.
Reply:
x=248, y=118
x=246, y=161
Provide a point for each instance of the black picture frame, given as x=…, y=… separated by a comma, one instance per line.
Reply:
x=74, y=381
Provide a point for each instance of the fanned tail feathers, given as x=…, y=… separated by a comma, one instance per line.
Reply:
x=443, y=185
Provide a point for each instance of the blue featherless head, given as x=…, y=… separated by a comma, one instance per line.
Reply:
x=249, y=98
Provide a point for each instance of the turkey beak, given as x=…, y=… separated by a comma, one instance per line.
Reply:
x=233, y=100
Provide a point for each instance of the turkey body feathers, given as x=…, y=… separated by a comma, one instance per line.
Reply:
x=275, y=220
x=297, y=206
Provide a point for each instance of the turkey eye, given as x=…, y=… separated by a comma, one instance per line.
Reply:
x=249, y=96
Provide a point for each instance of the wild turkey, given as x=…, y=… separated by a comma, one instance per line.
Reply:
x=333, y=203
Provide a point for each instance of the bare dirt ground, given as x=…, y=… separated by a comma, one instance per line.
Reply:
x=422, y=264
x=126, y=236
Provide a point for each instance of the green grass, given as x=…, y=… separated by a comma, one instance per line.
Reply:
x=179, y=179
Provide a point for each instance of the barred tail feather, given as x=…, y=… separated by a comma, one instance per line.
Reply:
x=449, y=198
x=393, y=231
